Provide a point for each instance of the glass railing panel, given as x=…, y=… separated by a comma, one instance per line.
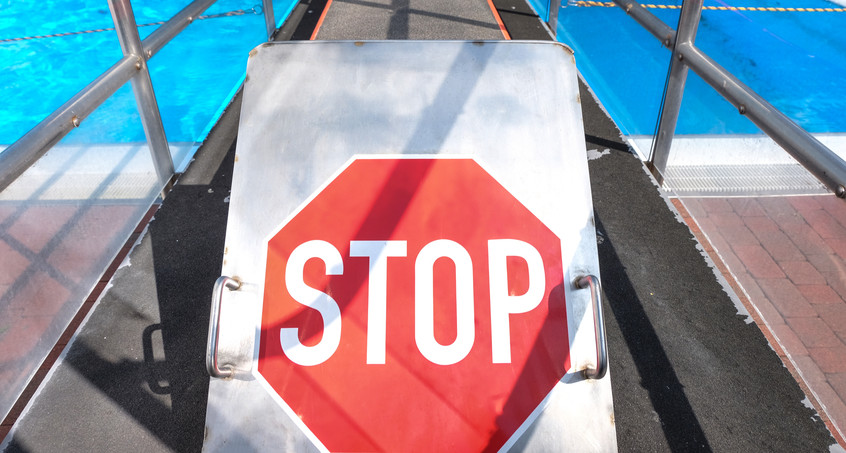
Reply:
x=61, y=224
x=777, y=232
x=281, y=10
x=789, y=54
x=792, y=53
x=198, y=72
x=625, y=66
x=41, y=70
x=67, y=216
x=541, y=7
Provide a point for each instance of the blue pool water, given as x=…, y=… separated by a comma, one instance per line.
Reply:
x=795, y=60
x=193, y=76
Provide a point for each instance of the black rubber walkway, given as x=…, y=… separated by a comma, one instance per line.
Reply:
x=688, y=372
x=409, y=19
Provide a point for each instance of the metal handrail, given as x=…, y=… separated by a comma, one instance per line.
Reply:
x=649, y=21
x=25, y=151
x=212, y=366
x=826, y=166
x=20, y=155
x=592, y=282
x=153, y=43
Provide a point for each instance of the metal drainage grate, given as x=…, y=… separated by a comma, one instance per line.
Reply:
x=742, y=180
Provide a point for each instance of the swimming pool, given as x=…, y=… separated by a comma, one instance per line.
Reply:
x=194, y=76
x=794, y=59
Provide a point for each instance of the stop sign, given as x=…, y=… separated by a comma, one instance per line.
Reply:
x=413, y=304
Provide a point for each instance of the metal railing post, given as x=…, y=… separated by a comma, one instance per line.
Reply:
x=270, y=23
x=142, y=86
x=685, y=34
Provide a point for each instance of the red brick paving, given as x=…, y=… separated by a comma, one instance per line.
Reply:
x=802, y=273
x=747, y=208
x=830, y=359
x=788, y=256
x=788, y=339
x=808, y=241
x=820, y=294
x=787, y=299
x=838, y=382
x=758, y=262
x=813, y=332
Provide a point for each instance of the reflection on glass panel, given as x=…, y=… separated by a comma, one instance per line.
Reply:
x=61, y=224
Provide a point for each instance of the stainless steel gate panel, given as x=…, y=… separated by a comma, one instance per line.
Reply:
x=310, y=109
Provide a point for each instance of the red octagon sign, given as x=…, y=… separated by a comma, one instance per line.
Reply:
x=413, y=304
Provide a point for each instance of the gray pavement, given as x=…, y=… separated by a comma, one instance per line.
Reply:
x=409, y=19
x=688, y=371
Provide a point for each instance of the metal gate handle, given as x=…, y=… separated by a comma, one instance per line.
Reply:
x=598, y=325
x=231, y=284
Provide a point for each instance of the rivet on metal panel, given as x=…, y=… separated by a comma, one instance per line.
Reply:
x=149, y=54
x=680, y=56
x=190, y=19
x=75, y=121
x=138, y=64
x=742, y=109
x=841, y=192
x=667, y=42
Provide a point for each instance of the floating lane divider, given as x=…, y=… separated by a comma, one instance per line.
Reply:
x=239, y=12
x=589, y=3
